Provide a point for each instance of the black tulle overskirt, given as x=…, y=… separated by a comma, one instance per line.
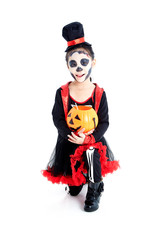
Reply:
x=59, y=162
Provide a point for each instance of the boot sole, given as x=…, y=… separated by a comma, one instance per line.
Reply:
x=86, y=209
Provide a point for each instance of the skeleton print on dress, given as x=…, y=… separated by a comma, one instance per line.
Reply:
x=90, y=153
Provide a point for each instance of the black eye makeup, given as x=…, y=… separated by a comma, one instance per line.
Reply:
x=73, y=63
x=84, y=61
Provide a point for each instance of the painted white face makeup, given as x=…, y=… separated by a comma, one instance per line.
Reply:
x=80, y=65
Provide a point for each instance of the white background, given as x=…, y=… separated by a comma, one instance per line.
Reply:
x=125, y=37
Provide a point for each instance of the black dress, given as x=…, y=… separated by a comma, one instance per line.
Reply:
x=60, y=161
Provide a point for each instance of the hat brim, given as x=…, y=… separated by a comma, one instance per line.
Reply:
x=77, y=46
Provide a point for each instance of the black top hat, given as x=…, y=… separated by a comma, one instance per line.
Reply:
x=73, y=33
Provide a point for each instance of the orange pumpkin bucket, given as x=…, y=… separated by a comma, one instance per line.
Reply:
x=82, y=117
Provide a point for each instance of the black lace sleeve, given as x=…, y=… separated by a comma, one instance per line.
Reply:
x=103, y=119
x=59, y=116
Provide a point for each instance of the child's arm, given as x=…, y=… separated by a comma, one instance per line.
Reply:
x=102, y=124
x=103, y=119
x=59, y=117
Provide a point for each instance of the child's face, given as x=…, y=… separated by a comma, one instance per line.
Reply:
x=80, y=65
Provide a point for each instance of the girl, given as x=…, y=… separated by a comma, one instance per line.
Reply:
x=79, y=157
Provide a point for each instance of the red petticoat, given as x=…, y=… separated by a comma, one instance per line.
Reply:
x=78, y=177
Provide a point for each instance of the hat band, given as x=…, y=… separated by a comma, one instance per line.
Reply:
x=75, y=41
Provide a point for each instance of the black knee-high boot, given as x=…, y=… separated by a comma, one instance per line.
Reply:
x=93, y=196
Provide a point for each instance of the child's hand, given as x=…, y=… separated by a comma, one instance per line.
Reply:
x=90, y=132
x=77, y=139
x=80, y=138
x=87, y=133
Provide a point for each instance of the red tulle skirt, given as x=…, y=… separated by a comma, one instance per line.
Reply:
x=77, y=176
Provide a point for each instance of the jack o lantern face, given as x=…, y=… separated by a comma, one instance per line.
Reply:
x=82, y=117
x=73, y=122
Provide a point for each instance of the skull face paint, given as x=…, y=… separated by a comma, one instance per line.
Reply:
x=80, y=65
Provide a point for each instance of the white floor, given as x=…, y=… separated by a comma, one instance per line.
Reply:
x=125, y=37
x=37, y=209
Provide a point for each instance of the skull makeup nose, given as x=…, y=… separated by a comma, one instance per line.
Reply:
x=79, y=69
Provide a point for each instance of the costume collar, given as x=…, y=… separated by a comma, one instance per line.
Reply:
x=65, y=96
